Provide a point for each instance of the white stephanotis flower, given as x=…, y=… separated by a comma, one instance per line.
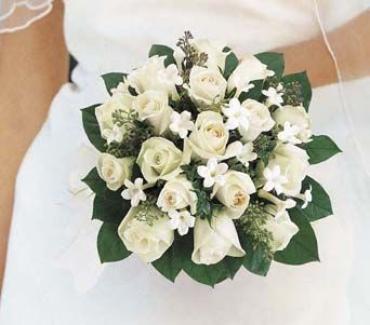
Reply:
x=274, y=95
x=213, y=173
x=181, y=220
x=289, y=134
x=113, y=135
x=181, y=124
x=135, y=191
x=236, y=115
x=274, y=179
x=296, y=116
x=246, y=154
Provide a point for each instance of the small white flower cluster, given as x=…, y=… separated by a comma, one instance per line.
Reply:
x=217, y=133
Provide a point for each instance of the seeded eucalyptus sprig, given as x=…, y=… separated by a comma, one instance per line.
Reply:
x=135, y=133
x=252, y=223
x=192, y=56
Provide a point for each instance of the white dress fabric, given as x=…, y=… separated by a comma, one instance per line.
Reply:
x=115, y=35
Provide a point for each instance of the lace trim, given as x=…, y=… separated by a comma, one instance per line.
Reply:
x=10, y=22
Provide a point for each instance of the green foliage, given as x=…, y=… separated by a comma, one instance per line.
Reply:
x=206, y=208
x=264, y=145
x=231, y=63
x=108, y=205
x=255, y=239
x=163, y=50
x=171, y=262
x=321, y=148
x=112, y=79
x=91, y=127
x=297, y=89
x=303, y=246
x=136, y=132
x=274, y=62
x=110, y=246
x=178, y=257
x=110, y=208
x=256, y=259
x=320, y=207
x=148, y=212
x=254, y=93
x=96, y=184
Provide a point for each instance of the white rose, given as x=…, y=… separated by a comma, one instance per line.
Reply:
x=155, y=76
x=297, y=116
x=234, y=194
x=104, y=112
x=293, y=163
x=281, y=227
x=215, y=56
x=153, y=107
x=177, y=194
x=206, y=86
x=148, y=240
x=210, y=135
x=213, y=242
x=159, y=158
x=249, y=69
x=260, y=120
x=114, y=171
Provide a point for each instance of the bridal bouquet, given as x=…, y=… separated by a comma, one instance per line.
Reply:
x=204, y=161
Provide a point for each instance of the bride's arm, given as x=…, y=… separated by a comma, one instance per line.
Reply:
x=351, y=45
x=33, y=65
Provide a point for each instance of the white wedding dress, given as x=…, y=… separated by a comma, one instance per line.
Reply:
x=46, y=284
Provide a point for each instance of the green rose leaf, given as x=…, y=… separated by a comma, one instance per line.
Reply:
x=110, y=208
x=321, y=148
x=320, y=206
x=303, y=246
x=255, y=259
x=207, y=274
x=110, y=246
x=253, y=93
x=91, y=127
x=232, y=265
x=274, y=62
x=231, y=63
x=112, y=80
x=108, y=205
x=96, y=184
x=297, y=83
x=163, y=50
x=170, y=264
